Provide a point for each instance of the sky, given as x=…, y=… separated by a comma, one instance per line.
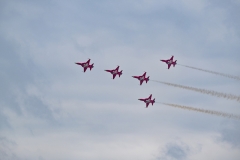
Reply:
x=51, y=109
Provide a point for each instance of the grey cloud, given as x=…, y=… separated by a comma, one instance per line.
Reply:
x=36, y=107
x=4, y=121
x=231, y=133
x=13, y=73
x=7, y=148
x=232, y=11
x=175, y=151
x=16, y=75
x=40, y=158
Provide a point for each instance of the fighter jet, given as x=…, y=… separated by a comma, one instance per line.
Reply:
x=142, y=78
x=115, y=72
x=86, y=65
x=148, y=100
x=170, y=62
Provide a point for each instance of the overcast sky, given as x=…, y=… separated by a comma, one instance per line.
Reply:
x=51, y=110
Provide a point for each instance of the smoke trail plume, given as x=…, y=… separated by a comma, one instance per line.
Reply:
x=217, y=113
x=213, y=72
x=210, y=92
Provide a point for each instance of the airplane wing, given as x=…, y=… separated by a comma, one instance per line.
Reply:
x=171, y=58
x=114, y=75
x=88, y=61
x=150, y=96
x=117, y=68
x=141, y=82
x=147, y=105
x=78, y=63
x=108, y=70
x=144, y=74
x=169, y=65
x=85, y=69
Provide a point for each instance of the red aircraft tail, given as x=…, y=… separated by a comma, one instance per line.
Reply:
x=174, y=63
x=147, y=79
x=91, y=66
x=153, y=101
x=120, y=73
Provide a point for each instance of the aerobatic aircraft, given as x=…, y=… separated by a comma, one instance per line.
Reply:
x=170, y=62
x=148, y=100
x=86, y=65
x=115, y=72
x=142, y=78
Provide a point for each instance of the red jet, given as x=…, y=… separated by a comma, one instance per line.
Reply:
x=148, y=100
x=114, y=72
x=142, y=78
x=86, y=65
x=170, y=62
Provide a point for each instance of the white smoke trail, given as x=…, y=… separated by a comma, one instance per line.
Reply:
x=210, y=92
x=217, y=113
x=213, y=72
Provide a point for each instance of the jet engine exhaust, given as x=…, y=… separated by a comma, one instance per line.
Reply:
x=217, y=113
x=205, y=91
x=213, y=72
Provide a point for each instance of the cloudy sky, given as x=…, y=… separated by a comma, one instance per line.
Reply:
x=50, y=109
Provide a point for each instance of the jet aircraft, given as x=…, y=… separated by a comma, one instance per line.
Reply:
x=115, y=72
x=170, y=62
x=86, y=65
x=142, y=78
x=148, y=100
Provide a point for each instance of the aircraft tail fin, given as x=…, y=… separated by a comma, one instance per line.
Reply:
x=147, y=79
x=174, y=63
x=120, y=73
x=153, y=101
x=91, y=66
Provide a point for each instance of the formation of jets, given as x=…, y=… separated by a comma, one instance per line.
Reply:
x=141, y=78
